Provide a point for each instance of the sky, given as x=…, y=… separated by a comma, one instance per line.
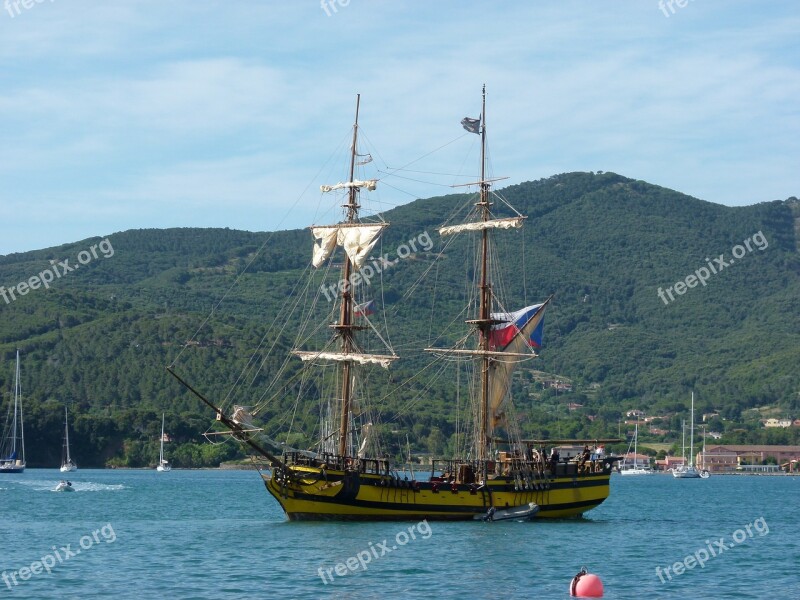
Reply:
x=149, y=114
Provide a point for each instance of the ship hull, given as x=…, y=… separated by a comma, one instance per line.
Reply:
x=12, y=470
x=357, y=496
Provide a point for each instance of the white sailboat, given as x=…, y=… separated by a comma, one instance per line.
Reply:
x=690, y=471
x=634, y=468
x=12, y=446
x=67, y=464
x=163, y=465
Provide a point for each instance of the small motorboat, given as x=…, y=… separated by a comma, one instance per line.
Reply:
x=64, y=486
x=515, y=513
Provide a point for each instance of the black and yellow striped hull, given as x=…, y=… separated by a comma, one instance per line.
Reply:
x=313, y=495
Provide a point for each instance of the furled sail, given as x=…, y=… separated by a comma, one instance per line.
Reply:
x=518, y=331
x=357, y=241
x=508, y=223
x=383, y=360
x=370, y=184
x=365, y=432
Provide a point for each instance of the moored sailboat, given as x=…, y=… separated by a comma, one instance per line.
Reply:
x=163, y=465
x=342, y=480
x=634, y=468
x=67, y=464
x=12, y=446
x=690, y=471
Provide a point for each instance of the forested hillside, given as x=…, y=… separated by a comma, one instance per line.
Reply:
x=99, y=338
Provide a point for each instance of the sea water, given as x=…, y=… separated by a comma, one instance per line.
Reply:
x=218, y=534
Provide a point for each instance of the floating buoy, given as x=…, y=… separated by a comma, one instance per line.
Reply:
x=586, y=585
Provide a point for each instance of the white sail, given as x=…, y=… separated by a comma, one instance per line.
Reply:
x=383, y=360
x=509, y=223
x=500, y=370
x=357, y=241
x=241, y=416
x=369, y=184
x=327, y=242
x=365, y=432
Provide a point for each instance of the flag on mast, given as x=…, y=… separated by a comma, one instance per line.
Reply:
x=471, y=125
x=365, y=309
x=502, y=334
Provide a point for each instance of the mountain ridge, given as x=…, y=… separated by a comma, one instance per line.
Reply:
x=99, y=338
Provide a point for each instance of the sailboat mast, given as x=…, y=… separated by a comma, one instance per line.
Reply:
x=161, y=452
x=66, y=433
x=485, y=299
x=345, y=326
x=691, y=436
x=704, y=447
x=16, y=400
x=683, y=440
x=17, y=415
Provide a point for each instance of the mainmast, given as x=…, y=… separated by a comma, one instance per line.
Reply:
x=484, y=321
x=485, y=353
x=345, y=326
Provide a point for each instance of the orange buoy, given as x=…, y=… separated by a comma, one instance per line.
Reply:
x=586, y=585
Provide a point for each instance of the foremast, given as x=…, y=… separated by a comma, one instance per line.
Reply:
x=357, y=239
x=345, y=326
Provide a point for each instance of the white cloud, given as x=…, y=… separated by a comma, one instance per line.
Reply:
x=154, y=114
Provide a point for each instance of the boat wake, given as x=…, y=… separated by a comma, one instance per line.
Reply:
x=48, y=485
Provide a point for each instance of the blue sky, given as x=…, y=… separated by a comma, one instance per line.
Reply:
x=152, y=114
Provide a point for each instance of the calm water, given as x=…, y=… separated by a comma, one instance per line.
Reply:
x=218, y=534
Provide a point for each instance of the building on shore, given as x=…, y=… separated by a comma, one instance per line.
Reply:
x=745, y=458
x=669, y=462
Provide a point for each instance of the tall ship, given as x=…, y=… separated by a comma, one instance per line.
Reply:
x=495, y=473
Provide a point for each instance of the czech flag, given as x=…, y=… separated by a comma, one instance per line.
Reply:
x=528, y=321
x=365, y=309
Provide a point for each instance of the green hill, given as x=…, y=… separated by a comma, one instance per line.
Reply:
x=99, y=338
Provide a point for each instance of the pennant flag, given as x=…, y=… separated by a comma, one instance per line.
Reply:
x=365, y=309
x=471, y=125
x=366, y=159
x=502, y=334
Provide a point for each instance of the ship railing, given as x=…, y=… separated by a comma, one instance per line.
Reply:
x=335, y=462
x=465, y=472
